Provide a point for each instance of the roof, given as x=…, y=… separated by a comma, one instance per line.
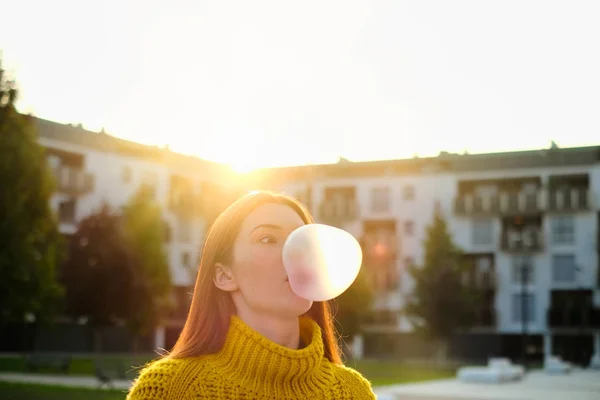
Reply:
x=102, y=141
x=443, y=163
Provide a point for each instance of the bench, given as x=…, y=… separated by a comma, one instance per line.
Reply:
x=108, y=371
x=36, y=361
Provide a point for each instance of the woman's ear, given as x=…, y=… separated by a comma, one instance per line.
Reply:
x=224, y=278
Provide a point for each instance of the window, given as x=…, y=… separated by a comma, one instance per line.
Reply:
x=167, y=232
x=563, y=229
x=66, y=212
x=409, y=228
x=185, y=260
x=380, y=199
x=520, y=301
x=564, y=269
x=482, y=232
x=126, y=174
x=484, y=271
x=520, y=266
x=184, y=231
x=408, y=192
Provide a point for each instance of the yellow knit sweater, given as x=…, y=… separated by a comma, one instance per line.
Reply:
x=249, y=366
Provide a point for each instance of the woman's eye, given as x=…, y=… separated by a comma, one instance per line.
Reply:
x=267, y=239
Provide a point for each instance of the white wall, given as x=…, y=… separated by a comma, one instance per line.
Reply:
x=109, y=186
x=443, y=187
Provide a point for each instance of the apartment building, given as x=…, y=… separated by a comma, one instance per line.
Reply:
x=92, y=169
x=528, y=223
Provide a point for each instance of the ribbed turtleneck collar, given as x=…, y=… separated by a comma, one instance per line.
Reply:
x=264, y=365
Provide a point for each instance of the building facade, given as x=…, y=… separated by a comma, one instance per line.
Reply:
x=92, y=169
x=528, y=223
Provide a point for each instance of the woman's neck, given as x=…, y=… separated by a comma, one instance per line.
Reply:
x=283, y=331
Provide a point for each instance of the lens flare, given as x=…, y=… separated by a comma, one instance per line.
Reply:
x=321, y=261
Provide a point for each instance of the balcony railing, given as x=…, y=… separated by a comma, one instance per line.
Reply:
x=569, y=199
x=73, y=181
x=527, y=241
x=544, y=200
x=588, y=317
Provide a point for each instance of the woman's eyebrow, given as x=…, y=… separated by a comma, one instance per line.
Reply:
x=273, y=226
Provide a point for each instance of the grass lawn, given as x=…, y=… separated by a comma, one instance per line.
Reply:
x=378, y=372
x=79, y=366
x=390, y=372
x=22, y=391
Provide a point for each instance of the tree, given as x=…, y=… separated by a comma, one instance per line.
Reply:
x=353, y=305
x=99, y=274
x=442, y=301
x=30, y=244
x=144, y=232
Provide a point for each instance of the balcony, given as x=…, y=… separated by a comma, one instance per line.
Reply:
x=338, y=211
x=73, y=181
x=499, y=204
x=511, y=204
x=569, y=199
x=587, y=317
x=477, y=205
x=526, y=241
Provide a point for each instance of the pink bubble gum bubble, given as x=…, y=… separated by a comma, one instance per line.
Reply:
x=321, y=261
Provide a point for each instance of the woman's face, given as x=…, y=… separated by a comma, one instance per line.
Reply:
x=261, y=283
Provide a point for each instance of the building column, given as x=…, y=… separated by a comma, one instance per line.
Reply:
x=159, y=337
x=548, y=344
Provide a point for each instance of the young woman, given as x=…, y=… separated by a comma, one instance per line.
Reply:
x=248, y=335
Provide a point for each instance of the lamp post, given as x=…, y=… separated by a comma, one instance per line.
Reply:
x=524, y=313
x=580, y=355
x=523, y=244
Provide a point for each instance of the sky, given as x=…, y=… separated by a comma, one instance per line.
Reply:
x=272, y=83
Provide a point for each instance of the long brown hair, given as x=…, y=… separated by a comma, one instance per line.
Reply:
x=208, y=320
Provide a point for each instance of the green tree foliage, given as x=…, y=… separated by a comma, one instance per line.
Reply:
x=100, y=271
x=144, y=232
x=442, y=301
x=30, y=244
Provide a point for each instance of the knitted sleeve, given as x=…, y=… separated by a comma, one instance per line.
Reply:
x=155, y=381
x=355, y=385
x=168, y=379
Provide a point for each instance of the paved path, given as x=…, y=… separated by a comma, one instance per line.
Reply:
x=537, y=385
x=60, y=380
x=579, y=385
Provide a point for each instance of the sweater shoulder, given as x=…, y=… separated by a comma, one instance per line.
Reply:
x=357, y=385
x=165, y=378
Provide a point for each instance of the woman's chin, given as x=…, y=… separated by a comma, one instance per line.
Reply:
x=300, y=306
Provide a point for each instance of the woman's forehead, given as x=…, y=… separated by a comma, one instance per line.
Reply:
x=272, y=214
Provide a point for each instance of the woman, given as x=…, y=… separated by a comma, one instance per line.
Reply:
x=248, y=335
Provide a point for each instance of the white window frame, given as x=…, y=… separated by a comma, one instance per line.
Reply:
x=408, y=193
x=558, y=274
x=380, y=199
x=563, y=229
x=482, y=228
